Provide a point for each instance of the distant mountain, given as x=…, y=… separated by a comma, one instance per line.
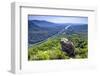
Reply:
x=32, y=26
x=78, y=28
x=45, y=24
x=39, y=30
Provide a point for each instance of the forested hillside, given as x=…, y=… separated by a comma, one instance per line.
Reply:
x=45, y=42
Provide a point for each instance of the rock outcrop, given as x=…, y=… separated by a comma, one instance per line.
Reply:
x=68, y=47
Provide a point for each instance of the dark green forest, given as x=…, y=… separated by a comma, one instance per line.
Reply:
x=50, y=49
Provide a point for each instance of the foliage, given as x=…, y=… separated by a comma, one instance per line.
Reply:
x=51, y=48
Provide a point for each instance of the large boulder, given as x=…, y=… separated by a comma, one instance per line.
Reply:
x=68, y=47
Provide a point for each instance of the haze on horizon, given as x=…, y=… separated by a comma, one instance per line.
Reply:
x=60, y=19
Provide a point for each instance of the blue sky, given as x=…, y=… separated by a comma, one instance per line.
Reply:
x=60, y=19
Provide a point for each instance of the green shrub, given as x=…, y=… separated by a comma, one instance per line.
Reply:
x=51, y=49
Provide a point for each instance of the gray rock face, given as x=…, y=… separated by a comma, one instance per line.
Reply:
x=68, y=47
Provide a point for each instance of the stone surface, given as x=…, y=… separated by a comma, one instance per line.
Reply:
x=68, y=47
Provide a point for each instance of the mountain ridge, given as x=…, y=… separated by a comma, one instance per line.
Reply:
x=47, y=29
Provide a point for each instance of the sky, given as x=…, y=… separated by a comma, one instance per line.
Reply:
x=60, y=19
